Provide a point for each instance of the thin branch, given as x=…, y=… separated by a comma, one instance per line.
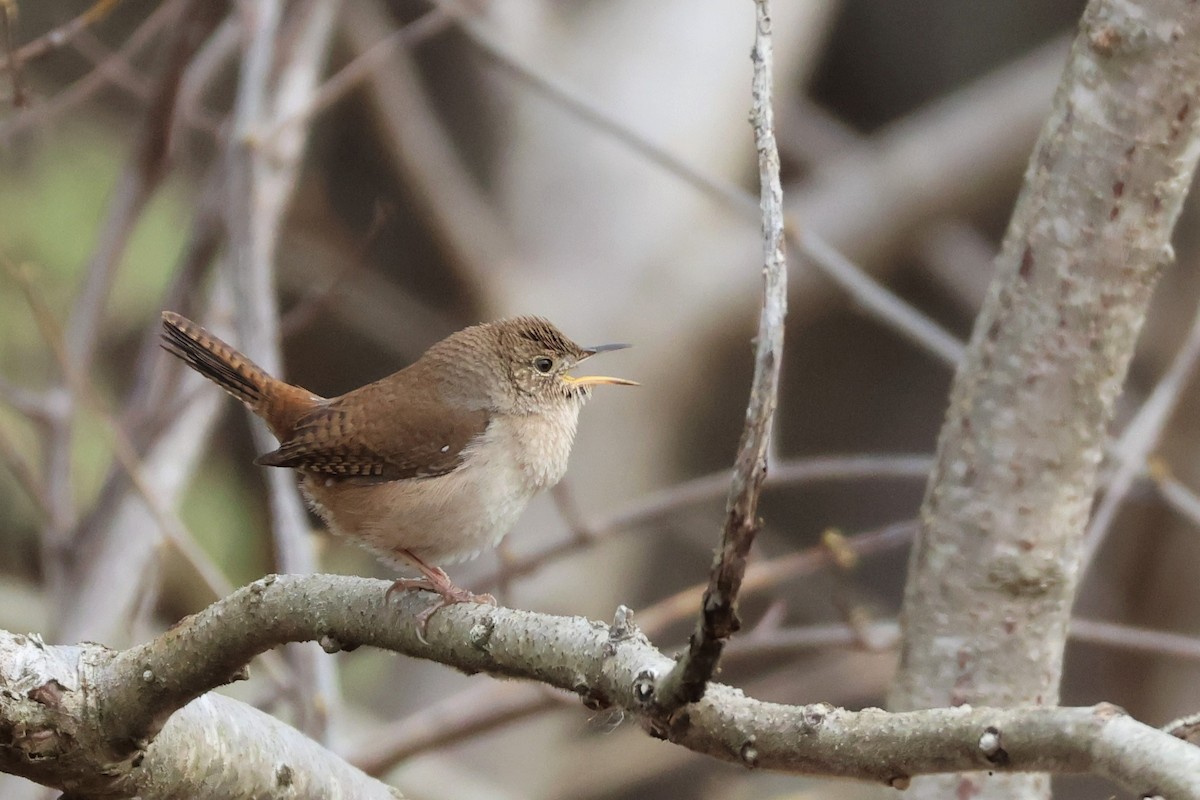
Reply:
x=166, y=14
x=907, y=320
x=728, y=194
x=170, y=424
x=26, y=475
x=568, y=509
x=482, y=708
x=169, y=525
x=282, y=59
x=789, y=473
x=35, y=406
x=766, y=575
x=1179, y=497
x=124, y=75
x=944, y=158
x=788, y=641
x=218, y=52
x=463, y=220
x=146, y=169
x=364, y=65
x=85, y=395
x=8, y=18
x=318, y=297
x=885, y=635
x=864, y=290
x=718, y=611
x=1129, y=637
x=58, y=37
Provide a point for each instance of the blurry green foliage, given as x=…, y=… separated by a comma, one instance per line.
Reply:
x=54, y=195
x=219, y=509
x=53, y=198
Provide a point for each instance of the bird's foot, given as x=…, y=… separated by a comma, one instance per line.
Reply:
x=438, y=582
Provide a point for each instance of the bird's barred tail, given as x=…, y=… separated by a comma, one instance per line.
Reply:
x=280, y=404
x=216, y=360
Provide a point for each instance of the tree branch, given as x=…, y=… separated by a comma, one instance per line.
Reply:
x=718, y=614
x=58, y=37
x=864, y=291
x=282, y=59
x=108, y=706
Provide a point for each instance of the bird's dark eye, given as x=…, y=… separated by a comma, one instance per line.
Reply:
x=543, y=364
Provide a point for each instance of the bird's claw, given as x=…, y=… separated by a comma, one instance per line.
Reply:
x=448, y=595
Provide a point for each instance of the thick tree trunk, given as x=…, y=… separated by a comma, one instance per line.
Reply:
x=996, y=565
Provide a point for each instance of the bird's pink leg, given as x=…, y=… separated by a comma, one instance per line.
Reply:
x=435, y=580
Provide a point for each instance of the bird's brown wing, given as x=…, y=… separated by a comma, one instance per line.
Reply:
x=377, y=433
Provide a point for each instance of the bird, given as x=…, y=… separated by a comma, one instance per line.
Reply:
x=432, y=464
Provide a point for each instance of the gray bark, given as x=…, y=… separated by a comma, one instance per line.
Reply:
x=97, y=721
x=995, y=568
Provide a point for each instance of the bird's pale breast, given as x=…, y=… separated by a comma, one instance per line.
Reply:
x=454, y=516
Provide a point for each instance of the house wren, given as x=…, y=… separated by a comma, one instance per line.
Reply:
x=429, y=465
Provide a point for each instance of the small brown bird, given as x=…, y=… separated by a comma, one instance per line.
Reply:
x=429, y=465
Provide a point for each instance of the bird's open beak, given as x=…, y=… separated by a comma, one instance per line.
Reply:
x=594, y=380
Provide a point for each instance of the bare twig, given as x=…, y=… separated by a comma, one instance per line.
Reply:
x=787, y=641
x=30, y=404
x=483, y=707
x=364, y=65
x=765, y=575
x=1183, y=500
x=863, y=289
x=151, y=402
x=584, y=108
x=26, y=475
x=318, y=297
x=85, y=395
x=8, y=13
x=791, y=472
x=145, y=171
x=568, y=508
x=219, y=51
x=718, y=612
x=163, y=16
x=463, y=220
x=910, y=322
x=886, y=635
x=123, y=75
x=58, y=37
x=1129, y=637
x=944, y=158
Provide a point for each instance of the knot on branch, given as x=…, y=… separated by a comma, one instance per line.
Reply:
x=992, y=746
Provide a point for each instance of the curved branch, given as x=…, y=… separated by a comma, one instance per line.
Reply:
x=130, y=693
